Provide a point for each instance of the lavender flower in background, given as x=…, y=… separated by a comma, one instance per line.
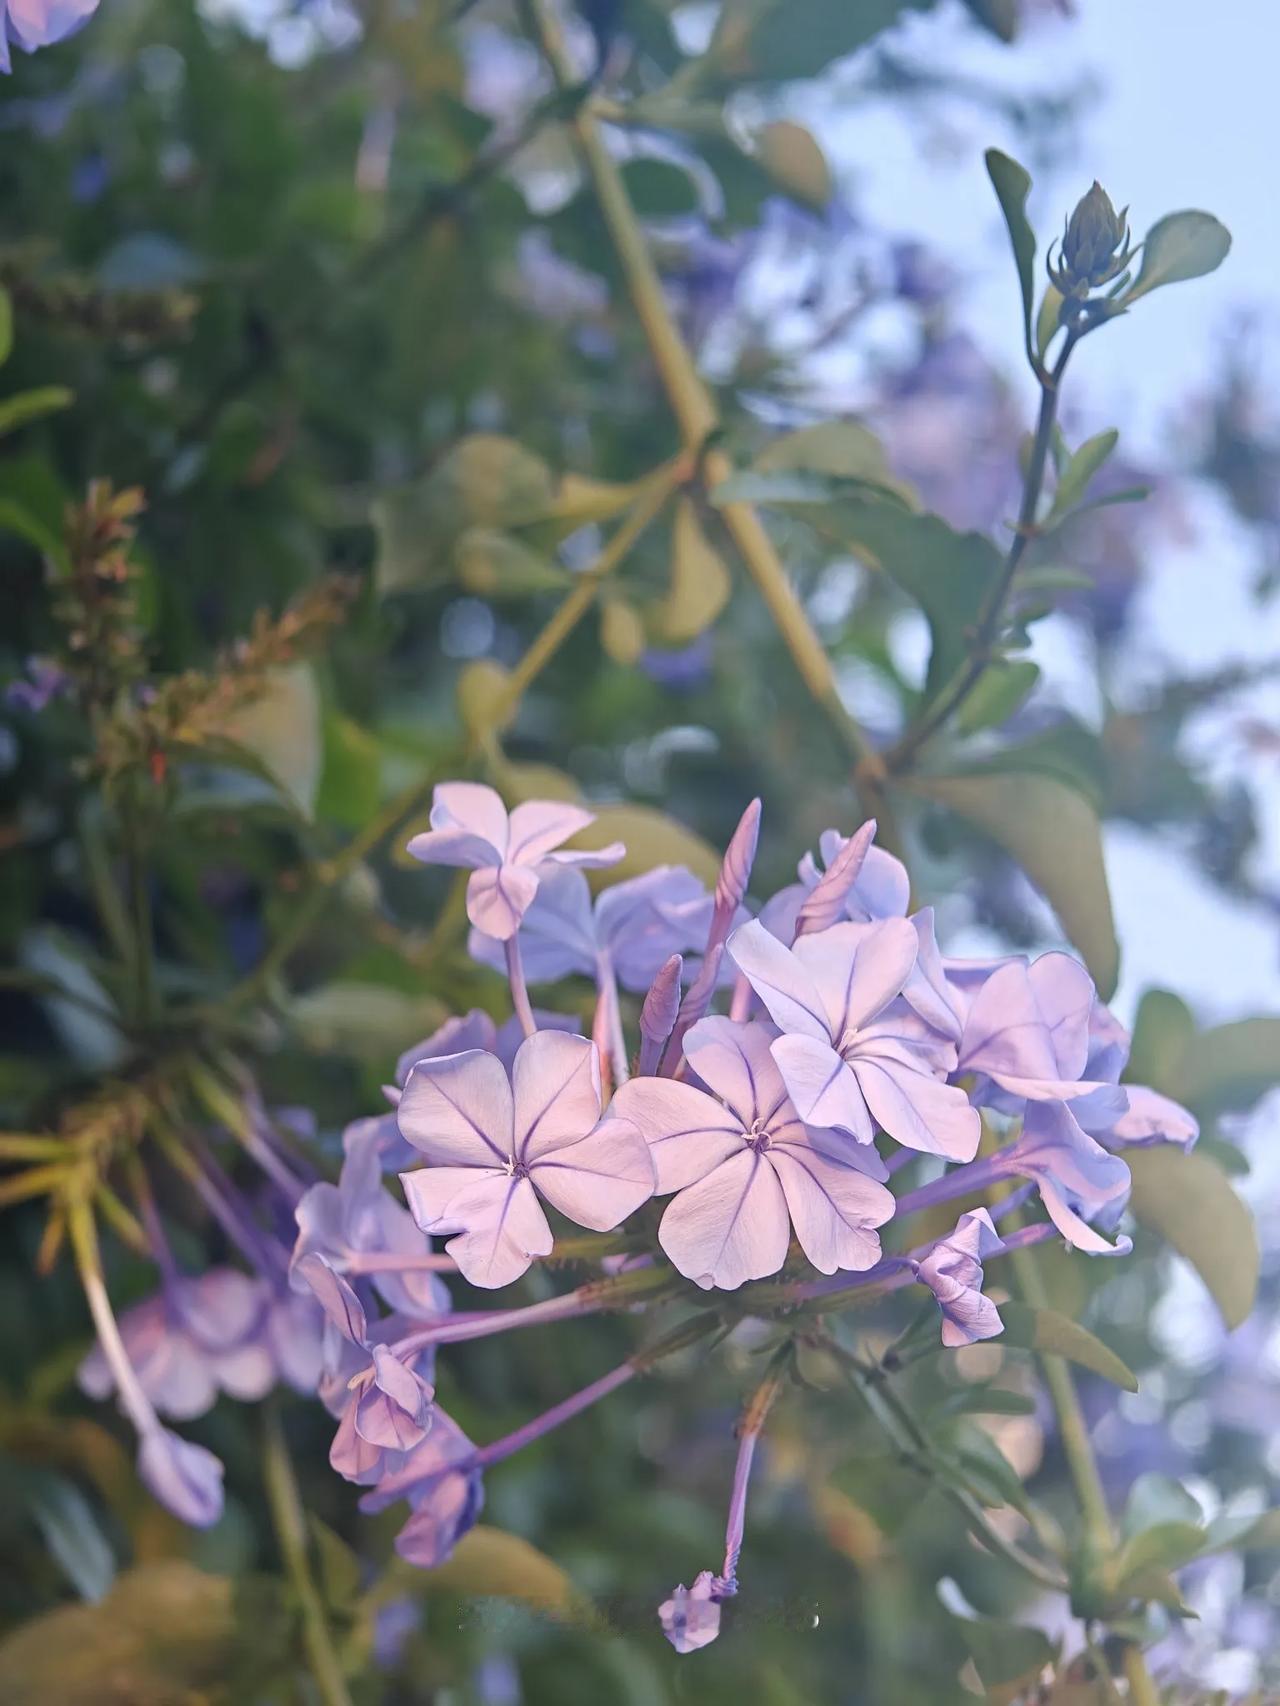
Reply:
x=470, y=828
x=32, y=24
x=45, y=680
x=496, y=1144
x=444, y=1489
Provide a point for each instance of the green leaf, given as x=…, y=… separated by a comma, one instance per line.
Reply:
x=845, y=449
x=166, y=1633
x=488, y=1563
x=1002, y=688
x=1053, y=833
x=1163, y=1033
x=351, y=777
x=1047, y=322
x=6, y=326
x=796, y=163
x=781, y=40
x=700, y=584
x=659, y=189
x=281, y=728
x=1048, y=1331
x=1152, y=1554
x=483, y=481
x=1228, y=1067
x=484, y=699
x=1004, y=1655
x=339, y=1566
x=30, y=405
x=1012, y=184
x=17, y=518
x=1177, y=247
x=1189, y=1201
x=622, y=631
x=71, y=1531
x=652, y=838
x=1081, y=468
x=366, y=1021
x=1156, y=1499
x=493, y=564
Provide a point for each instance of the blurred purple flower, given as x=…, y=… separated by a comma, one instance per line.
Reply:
x=745, y=1169
x=851, y=1055
x=445, y=1491
x=44, y=681
x=185, y=1477
x=691, y=1617
x=631, y=930
x=1075, y=1176
x=31, y=24
x=495, y=1144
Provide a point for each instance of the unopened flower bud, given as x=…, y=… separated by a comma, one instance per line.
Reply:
x=1095, y=245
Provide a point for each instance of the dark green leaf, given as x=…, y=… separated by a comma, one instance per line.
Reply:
x=1004, y=1654
x=1002, y=688
x=1163, y=1032
x=1012, y=184
x=659, y=189
x=30, y=405
x=1230, y=1066
x=1080, y=469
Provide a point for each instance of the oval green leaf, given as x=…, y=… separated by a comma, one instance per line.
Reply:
x=1189, y=1201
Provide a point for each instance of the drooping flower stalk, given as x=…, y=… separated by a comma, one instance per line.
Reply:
x=519, y=988
x=616, y=1292
x=555, y=1417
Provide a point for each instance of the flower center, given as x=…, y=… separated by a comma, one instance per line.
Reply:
x=758, y=1136
x=516, y=1168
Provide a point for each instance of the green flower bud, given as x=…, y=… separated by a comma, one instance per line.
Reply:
x=1095, y=245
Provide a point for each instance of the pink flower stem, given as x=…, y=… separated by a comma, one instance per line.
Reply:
x=749, y=1431
x=519, y=989
x=553, y=1418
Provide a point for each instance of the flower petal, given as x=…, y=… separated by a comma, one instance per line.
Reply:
x=858, y=969
x=734, y=1061
x=780, y=980
x=824, y=1090
x=336, y=1298
x=457, y=1110
x=556, y=1084
x=504, y=1230
x=539, y=826
x=834, y=1206
x=429, y=1191
x=730, y=1227
x=687, y=1131
x=473, y=807
x=917, y=1110
x=498, y=898
x=599, y=1180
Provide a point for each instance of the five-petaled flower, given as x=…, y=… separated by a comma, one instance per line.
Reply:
x=746, y=1169
x=496, y=1144
x=470, y=827
x=854, y=1055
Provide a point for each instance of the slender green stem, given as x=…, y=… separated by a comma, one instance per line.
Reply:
x=1072, y=1429
x=1142, y=1690
x=899, y=756
x=692, y=404
x=291, y=1535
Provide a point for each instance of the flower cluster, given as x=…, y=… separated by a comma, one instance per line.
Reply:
x=776, y=1135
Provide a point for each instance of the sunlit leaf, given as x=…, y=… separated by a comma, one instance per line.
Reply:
x=490, y=1563
x=493, y=564
x=1229, y=1066
x=350, y=780
x=1080, y=469
x=1002, y=688
x=1163, y=1033
x=793, y=159
x=281, y=728
x=622, y=631
x=652, y=838
x=1189, y=1201
x=700, y=584
x=484, y=699
x=31, y=405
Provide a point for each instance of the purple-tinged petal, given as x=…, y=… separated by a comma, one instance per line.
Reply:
x=599, y=1180
x=858, y=969
x=248, y=1372
x=1065, y=996
x=729, y=1227
x=658, y=1013
x=444, y=1448
x=556, y=1086
x=429, y=1192
x=823, y=1087
x=918, y=1111
x=498, y=898
x=733, y=1060
x=185, y=1477
x=782, y=982
x=394, y=1411
x=503, y=1229
x=1074, y=1174
x=557, y=933
x=597, y=859
x=458, y=1109
x=1109, y=1044
x=539, y=826
x=834, y=1206
x=826, y=903
x=340, y=1304
x=926, y=990
x=687, y=1131
x=456, y=847
x=459, y=1035
x=352, y=1457
x=953, y=1272
x=691, y=1617
x=1018, y=1024
x=475, y=808
x=220, y=1308
x=1150, y=1118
